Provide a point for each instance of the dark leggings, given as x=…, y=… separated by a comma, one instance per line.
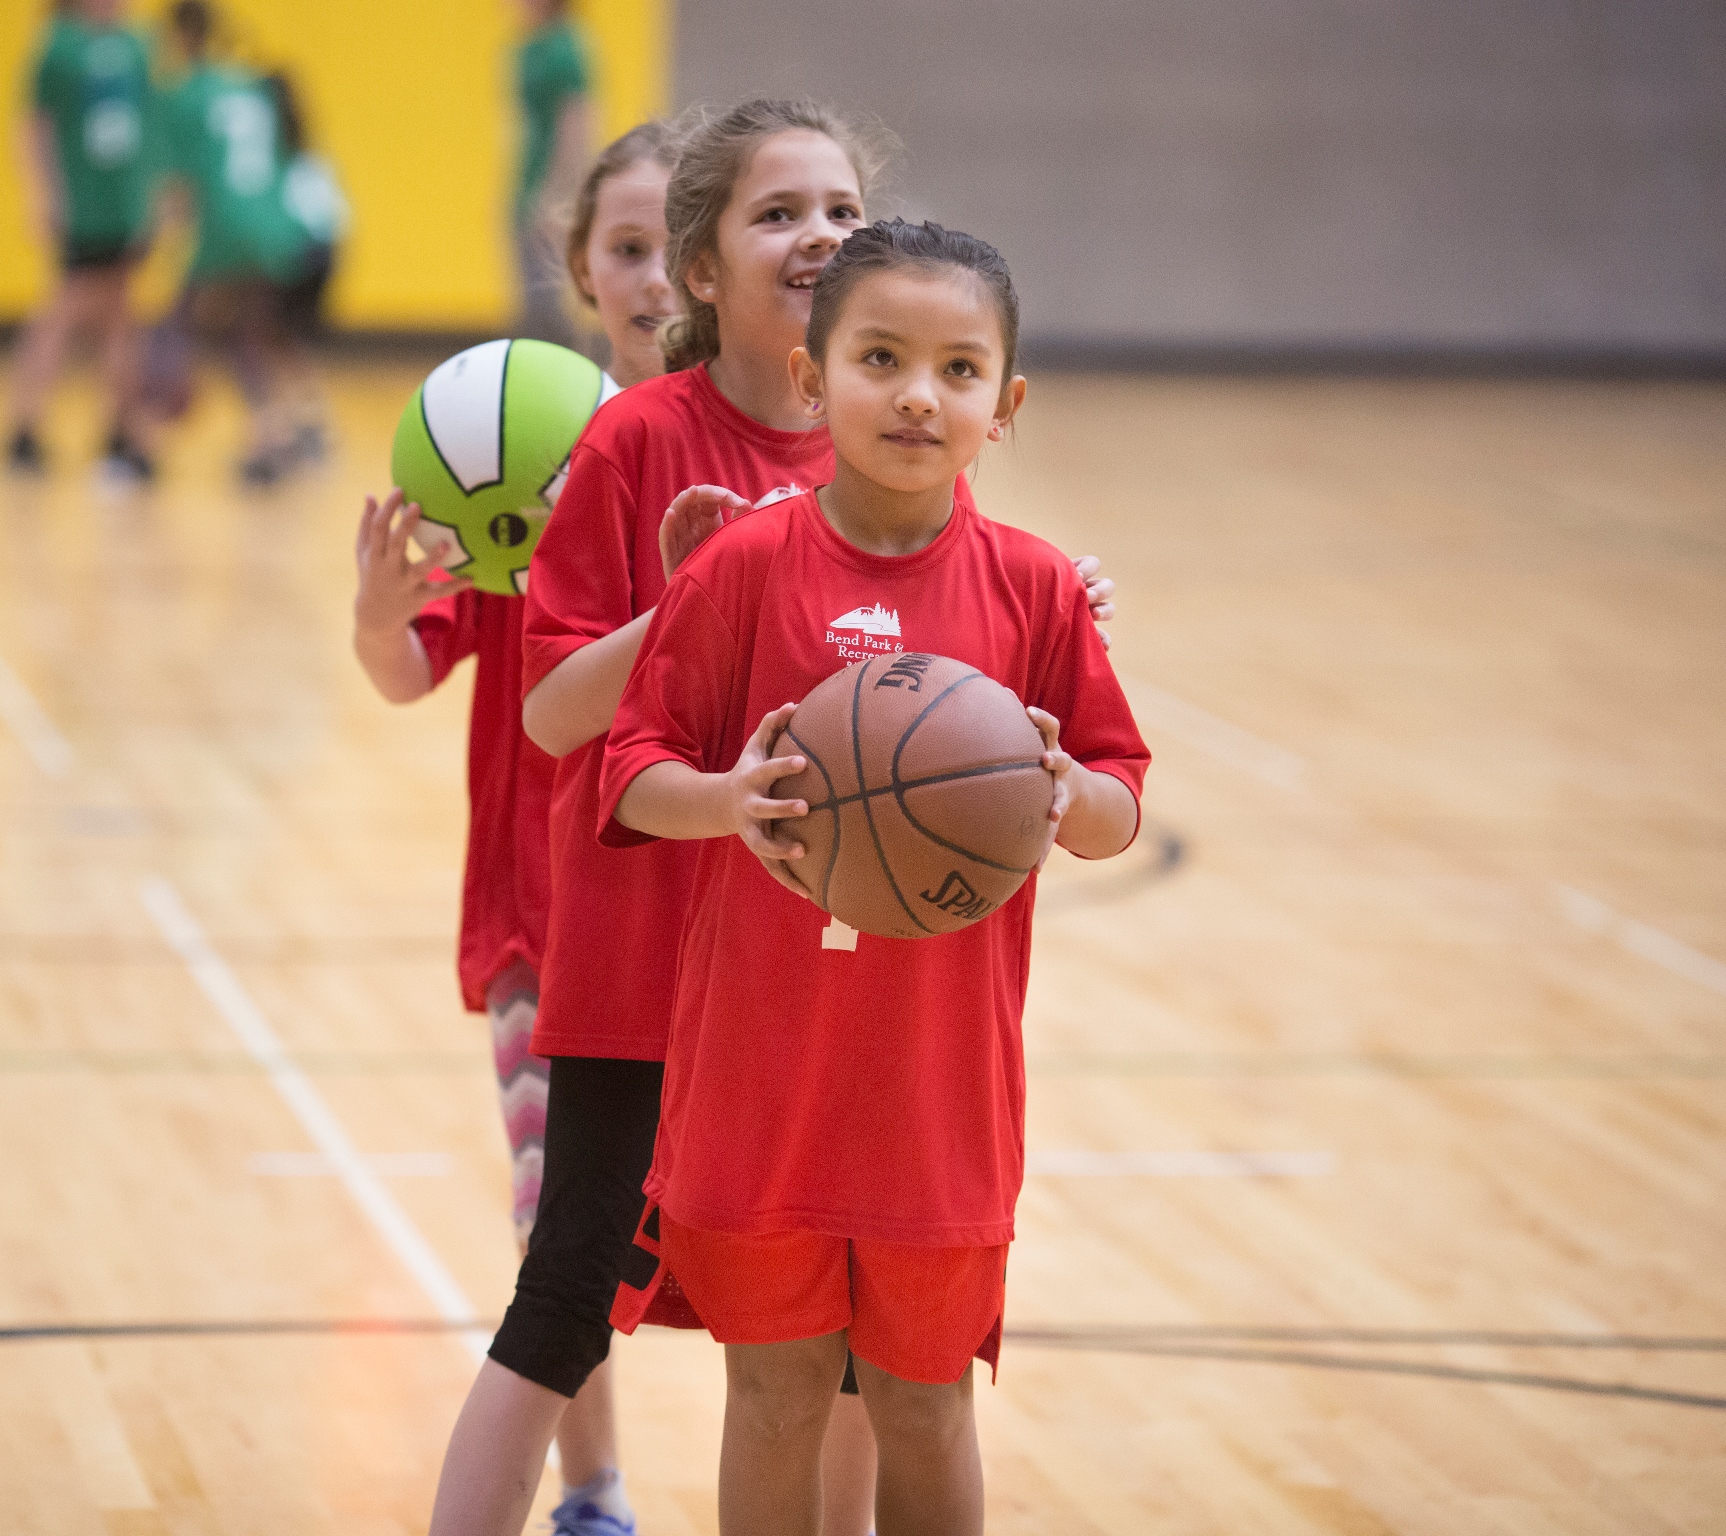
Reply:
x=601, y=1117
x=600, y=1120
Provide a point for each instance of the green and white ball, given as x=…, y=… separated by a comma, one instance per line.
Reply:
x=484, y=447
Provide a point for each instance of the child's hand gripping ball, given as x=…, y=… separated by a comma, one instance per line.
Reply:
x=483, y=448
x=928, y=799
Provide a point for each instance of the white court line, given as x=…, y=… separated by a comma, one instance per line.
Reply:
x=1071, y=1164
x=29, y=722
x=1670, y=954
x=1159, y=710
x=246, y=1020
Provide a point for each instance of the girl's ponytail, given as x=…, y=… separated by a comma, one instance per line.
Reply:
x=713, y=151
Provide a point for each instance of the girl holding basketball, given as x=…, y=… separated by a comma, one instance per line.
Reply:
x=761, y=198
x=841, y=1139
x=409, y=631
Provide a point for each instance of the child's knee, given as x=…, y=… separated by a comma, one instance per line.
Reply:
x=916, y=1411
x=779, y=1390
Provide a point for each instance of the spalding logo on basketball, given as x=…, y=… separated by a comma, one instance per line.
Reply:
x=484, y=447
x=928, y=799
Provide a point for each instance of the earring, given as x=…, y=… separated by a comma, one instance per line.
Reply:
x=815, y=407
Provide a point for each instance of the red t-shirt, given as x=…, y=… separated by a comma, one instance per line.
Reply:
x=507, y=886
x=617, y=913
x=875, y=1093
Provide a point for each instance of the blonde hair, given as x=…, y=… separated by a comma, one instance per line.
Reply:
x=647, y=141
x=714, y=149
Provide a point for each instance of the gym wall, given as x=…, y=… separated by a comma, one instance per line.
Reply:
x=1238, y=178
x=413, y=102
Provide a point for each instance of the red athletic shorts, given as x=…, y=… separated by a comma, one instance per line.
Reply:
x=919, y=1313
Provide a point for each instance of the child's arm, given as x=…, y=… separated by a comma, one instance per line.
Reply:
x=393, y=589
x=577, y=700
x=672, y=799
x=1094, y=814
x=42, y=156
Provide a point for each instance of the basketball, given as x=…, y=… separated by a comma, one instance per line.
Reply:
x=483, y=447
x=928, y=799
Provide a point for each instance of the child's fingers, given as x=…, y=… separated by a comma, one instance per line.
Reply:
x=1101, y=613
x=772, y=723
x=770, y=770
x=1087, y=566
x=1063, y=800
x=706, y=499
x=1103, y=635
x=766, y=808
x=1047, y=725
x=368, y=520
x=1100, y=590
x=781, y=872
x=395, y=545
x=756, y=840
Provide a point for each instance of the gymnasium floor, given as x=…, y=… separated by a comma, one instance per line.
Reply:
x=1376, y=1124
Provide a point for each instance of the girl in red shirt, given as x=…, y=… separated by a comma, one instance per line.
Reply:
x=841, y=1140
x=761, y=198
x=410, y=630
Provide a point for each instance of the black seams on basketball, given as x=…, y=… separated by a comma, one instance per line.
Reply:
x=928, y=799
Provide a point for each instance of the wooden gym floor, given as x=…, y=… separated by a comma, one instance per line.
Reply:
x=1376, y=1116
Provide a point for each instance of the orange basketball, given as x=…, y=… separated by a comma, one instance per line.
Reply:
x=928, y=799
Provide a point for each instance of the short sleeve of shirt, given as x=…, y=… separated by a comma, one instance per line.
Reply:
x=448, y=628
x=1078, y=687
x=676, y=704
x=580, y=581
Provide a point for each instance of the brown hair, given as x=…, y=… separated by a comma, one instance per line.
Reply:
x=713, y=152
x=888, y=245
x=647, y=141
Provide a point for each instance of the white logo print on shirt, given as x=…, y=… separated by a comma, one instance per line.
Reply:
x=779, y=493
x=865, y=632
x=873, y=620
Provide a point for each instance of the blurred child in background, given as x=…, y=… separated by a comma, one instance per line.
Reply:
x=223, y=147
x=551, y=84
x=314, y=199
x=89, y=112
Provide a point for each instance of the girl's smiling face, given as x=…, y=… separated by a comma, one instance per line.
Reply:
x=622, y=269
x=794, y=204
x=913, y=382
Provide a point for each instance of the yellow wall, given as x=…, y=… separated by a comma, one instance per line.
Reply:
x=411, y=99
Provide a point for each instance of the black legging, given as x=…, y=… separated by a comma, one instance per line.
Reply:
x=601, y=1116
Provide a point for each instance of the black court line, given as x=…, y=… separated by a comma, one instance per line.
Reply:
x=1175, y=1342
x=1490, y=1338
x=1364, y=1365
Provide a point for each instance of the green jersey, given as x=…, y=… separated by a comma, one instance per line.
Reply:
x=222, y=137
x=93, y=84
x=550, y=67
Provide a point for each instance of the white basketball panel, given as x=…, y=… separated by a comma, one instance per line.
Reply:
x=463, y=402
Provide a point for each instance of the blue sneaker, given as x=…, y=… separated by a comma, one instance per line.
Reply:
x=578, y=1516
